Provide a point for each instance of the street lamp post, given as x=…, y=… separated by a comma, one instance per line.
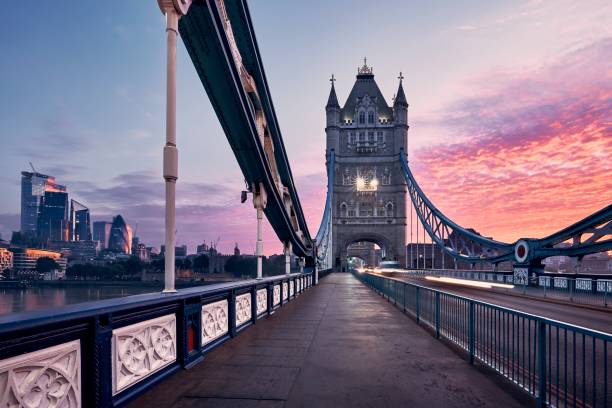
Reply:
x=173, y=10
x=259, y=202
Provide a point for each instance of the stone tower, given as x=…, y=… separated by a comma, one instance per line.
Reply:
x=369, y=194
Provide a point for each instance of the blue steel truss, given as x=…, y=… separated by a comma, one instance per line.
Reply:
x=220, y=40
x=323, y=239
x=590, y=235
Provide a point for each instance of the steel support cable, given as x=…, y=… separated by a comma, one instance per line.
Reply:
x=422, y=205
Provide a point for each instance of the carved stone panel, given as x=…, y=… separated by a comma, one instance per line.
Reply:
x=214, y=321
x=291, y=289
x=262, y=301
x=243, y=308
x=141, y=349
x=285, y=291
x=50, y=377
x=277, y=295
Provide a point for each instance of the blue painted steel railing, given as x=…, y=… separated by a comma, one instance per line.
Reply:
x=585, y=290
x=557, y=363
x=117, y=348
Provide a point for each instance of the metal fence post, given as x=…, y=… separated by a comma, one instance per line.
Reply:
x=541, y=401
x=472, y=333
x=571, y=288
x=437, y=315
x=102, y=390
x=418, y=305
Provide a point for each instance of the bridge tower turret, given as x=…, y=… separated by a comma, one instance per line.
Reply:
x=332, y=110
x=400, y=116
x=369, y=192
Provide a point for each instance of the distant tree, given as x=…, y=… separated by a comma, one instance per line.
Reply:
x=158, y=264
x=117, y=271
x=201, y=263
x=240, y=265
x=46, y=264
x=133, y=266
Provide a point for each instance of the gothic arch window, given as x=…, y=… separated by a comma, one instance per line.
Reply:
x=389, y=209
x=371, y=117
x=352, y=138
x=346, y=179
x=361, y=118
x=362, y=136
x=343, y=209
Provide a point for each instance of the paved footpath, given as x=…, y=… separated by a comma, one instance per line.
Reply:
x=337, y=345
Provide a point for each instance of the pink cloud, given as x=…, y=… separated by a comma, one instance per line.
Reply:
x=535, y=148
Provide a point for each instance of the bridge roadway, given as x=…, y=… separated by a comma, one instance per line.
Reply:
x=573, y=313
x=336, y=345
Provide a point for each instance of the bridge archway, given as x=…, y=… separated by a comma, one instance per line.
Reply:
x=354, y=246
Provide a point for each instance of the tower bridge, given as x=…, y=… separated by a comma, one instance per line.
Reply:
x=317, y=338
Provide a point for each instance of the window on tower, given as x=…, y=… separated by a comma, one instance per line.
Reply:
x=361, y=118
x=362, y=136
x=370, y=117
x=371, y=137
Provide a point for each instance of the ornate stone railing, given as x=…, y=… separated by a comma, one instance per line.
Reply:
x=106, y=352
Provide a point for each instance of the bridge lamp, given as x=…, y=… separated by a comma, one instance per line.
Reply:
x=360, y=183
x=374, y=184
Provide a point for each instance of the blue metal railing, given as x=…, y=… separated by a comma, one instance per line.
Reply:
x=557, y=363
x=108, y=338
x=585, y=290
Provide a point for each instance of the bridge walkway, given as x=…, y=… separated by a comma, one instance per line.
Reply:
x=338, y=344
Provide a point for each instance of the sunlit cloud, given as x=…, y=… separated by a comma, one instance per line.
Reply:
x=535, y=148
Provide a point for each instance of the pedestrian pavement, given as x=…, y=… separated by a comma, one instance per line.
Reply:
x=338, y=344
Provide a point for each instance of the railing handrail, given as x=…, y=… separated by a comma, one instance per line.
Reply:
x=596, y=333
x=25, y=320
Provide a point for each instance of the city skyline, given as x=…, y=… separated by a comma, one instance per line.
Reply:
x=548, y=99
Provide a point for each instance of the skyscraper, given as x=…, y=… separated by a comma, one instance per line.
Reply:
x=120, y=240
x=101, y=233
x=80, y=227
x=33, y=188
x=53, y=219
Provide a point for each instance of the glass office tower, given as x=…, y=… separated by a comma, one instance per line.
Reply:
x=33, y=188
x=53, y=219
x=80, y=226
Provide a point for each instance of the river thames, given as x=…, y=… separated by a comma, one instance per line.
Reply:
x=46, y=297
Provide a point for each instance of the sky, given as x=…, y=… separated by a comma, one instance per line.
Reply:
x=510, y=109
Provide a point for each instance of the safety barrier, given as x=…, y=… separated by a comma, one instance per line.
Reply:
x=557, y=363
x=587, y=290
x=106, y=352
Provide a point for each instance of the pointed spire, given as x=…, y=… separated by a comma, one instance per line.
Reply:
x=332, y=101
x=400, y=98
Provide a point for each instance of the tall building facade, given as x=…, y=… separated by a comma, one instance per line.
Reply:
x=80, y=223
x=101, y=233
x=6, y=259
x=120, y=240
x=33, y=188
x=369, y=192
x=53, y=222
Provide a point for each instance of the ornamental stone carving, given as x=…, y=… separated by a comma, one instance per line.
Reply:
x=277, y=295
x=142, y=349
x=214, y=321
x=291, y=288
x=243, y=308
x=262, y=301
x=285, y=290
x=50, y=377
